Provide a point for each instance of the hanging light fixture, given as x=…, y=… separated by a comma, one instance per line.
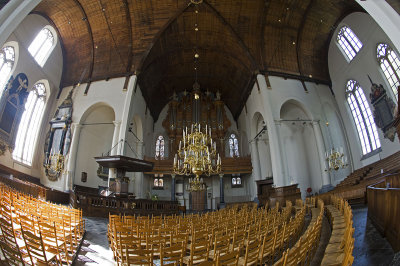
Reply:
x=336, y=159
x=197, y=155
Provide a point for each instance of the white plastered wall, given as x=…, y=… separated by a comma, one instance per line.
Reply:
x=284, y=90
x=51, y=72
x=364, y=63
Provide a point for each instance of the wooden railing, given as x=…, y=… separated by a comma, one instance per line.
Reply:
x=101, y=206
x=384, y=208
x=236, y=165
x=27, y=188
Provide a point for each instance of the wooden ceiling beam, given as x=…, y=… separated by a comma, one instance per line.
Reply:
x=299, y=35
x=298, y=77
x=267, y=3
x=89, y=29
x=129, y=26
x=254, y=65
x=158, y=35
x=177, y=50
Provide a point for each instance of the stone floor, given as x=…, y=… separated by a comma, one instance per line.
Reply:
x=370, y=248
x=95, y=249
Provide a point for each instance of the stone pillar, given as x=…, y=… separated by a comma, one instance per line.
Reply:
x=326, y=181
x=276, y=151
x=117, y=126
x=75, y=131
x=256, y=167
x=221, y=191
x=12, y=14
x=173, y=187
x=114, y=149
x=386, y=17
x=126, y=118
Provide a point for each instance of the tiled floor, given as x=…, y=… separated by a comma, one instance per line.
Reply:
x=370, y=248
x=95, y=249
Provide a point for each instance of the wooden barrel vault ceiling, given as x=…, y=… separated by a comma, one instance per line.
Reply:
x=236, y=39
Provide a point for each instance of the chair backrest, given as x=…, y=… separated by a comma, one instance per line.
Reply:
x=138, y=256
x=12, y=254
x=230, y=258
x=172, y=254
x=35, y=247
x=252, y=252
x=199, y=251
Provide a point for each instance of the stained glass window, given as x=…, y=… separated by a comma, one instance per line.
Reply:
x=29, y=126
x=42, y=46
x=160, y=148
x=363, y=118
x=390, y=65
x=349, y=42
x=233, y=146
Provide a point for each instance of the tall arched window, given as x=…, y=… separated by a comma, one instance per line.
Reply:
x=349, y=42
x=233, y=146
x=390, y=65
x=29, y=125
x=42, y=45
x=7, y=58
x=160, y=148
x=362, y=115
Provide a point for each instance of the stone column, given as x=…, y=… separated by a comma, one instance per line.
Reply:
x=114, y=149
x=326, y=181
x=256, y=167
x=278, y=170
x=173, y=187
x=117, y=126
x=221, y=191
x=75, y=131
x=386, y=17
x=12, y=14
x=126, y=118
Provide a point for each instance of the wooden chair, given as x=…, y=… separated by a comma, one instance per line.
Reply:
x=12, y=255
x=230, y=258
x=267, y=249
x=36, y=249
x=53, y=242
x=221, y=245
x=198, y=252
x=137, y=256
x=252, y=254
x=172, y=254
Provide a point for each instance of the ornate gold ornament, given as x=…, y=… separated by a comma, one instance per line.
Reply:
x=197, y=155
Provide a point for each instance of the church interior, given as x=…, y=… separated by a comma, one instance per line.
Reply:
x=199, y=132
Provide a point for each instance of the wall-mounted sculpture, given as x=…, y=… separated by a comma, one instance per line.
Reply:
x=12, y=106
x=58, y=140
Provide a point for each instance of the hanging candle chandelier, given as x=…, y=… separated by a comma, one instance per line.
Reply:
x=197, y=155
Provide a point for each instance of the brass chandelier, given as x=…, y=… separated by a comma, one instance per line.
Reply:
x=336, y=159
x=197, y=155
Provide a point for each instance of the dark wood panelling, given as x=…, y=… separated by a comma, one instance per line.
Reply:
x=236, y=39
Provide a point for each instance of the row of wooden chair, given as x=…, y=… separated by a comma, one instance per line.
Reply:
x=341, y=243
x=302, y=252
x=248, y=236
x=34, y=231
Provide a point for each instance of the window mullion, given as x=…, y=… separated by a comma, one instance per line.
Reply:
x=351, y=46
x=363, y=116
x=27, y=127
